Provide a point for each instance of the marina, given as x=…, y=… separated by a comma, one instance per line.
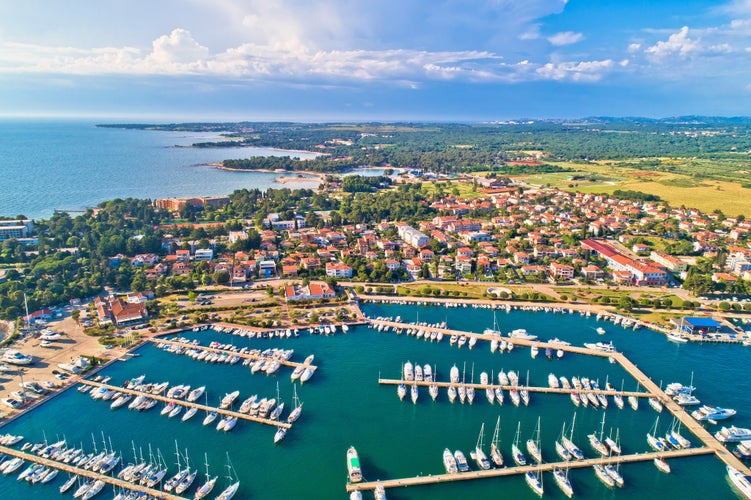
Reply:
x=523, y=469
x=227, y=352
x=80, y=472
x=364, y=413
x=187, y=404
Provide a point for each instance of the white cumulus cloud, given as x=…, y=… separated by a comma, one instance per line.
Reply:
x=677, y=44
x=177, y=47
x=583, y=71
x=565, y=38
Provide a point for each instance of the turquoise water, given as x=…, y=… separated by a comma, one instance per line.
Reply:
x=344, y=405
x=72, y=165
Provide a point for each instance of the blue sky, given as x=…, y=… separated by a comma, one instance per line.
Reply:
x=385, y=60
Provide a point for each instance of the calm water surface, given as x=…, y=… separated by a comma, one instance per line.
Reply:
x=344, y=405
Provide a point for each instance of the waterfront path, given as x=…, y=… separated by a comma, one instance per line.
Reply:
x=511, y=471
x=119, y=483
x=187, y=404
x=242, y=355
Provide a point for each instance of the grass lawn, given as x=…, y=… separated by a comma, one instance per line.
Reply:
x=465, y=189
x=677, y=189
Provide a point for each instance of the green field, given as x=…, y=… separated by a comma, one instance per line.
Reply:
x=706, y=194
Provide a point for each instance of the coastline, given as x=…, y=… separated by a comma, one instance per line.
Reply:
x=294, y=175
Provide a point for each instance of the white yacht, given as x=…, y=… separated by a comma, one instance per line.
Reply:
x=16, y=358
x=495, y=452
x=521, y=333
x=732, y=434
x=461, y=461
x=228, y=399
x=449, y=462
x=713, y=413
x=454, y=374
x=603, y=476
x=601, y=346
x=533, y=444
x=534, y=482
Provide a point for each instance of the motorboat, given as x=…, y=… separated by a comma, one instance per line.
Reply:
x=740, y=481
x=461, y=461
x=353, y=465
x=712, y=413
x=662, y=465
x=228, y=399
x=522, y=334
x=449, y=462
x=601, y=346
x=733, y=434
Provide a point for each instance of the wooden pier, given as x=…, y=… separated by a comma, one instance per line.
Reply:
x=696, y=428
x=512, y=471
x=187, y=404
x=242, y=355
x=70, y=469
x=546, y=390
x=488, y=337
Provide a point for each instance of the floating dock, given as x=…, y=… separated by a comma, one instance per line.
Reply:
x=242, y=355
x=119, y=483
x=513, y=471
x=547, y=390
x=188, y=404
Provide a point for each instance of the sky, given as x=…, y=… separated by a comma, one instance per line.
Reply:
x=324, y=60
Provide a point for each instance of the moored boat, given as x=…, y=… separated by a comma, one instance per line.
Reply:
x=353, y=465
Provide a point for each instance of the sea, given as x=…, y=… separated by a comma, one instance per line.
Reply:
x=69, y=165
x=344, y=405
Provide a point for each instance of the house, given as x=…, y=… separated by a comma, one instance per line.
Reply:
x=203, y=254
x=592, y=272
x=563, y=271
x=338, y=270
x=290, y=270
x=314, y=291
x=266, y=268
x=182, y=255
x=126, y=314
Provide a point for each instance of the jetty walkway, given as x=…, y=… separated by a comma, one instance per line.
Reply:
x=242, y=355
x=188, y=404
x=681, y=414
x=70, y=469
x=711, y=444
x=548, y=390
x=512, y=471
x=488, y=337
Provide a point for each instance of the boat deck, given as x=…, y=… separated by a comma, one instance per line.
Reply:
x=70, y=469
x=187, y=404
x=512, y=471
x=246, y=355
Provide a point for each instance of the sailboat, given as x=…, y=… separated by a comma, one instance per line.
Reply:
x=188, y=477
x=618, y=398
x=206, y=487
x=596, y=442
x=516, y=453
x=652, y=439
x=295, y=413
x=489, y=394
x=234, y=483
x=560, y=449
x=534, y=480
x=495, y=451
x=433, y=388
x=480, y=457
x=524, y=393
x=563, y=482
x=471, y=388
x=533, y=445
x=569, y=443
